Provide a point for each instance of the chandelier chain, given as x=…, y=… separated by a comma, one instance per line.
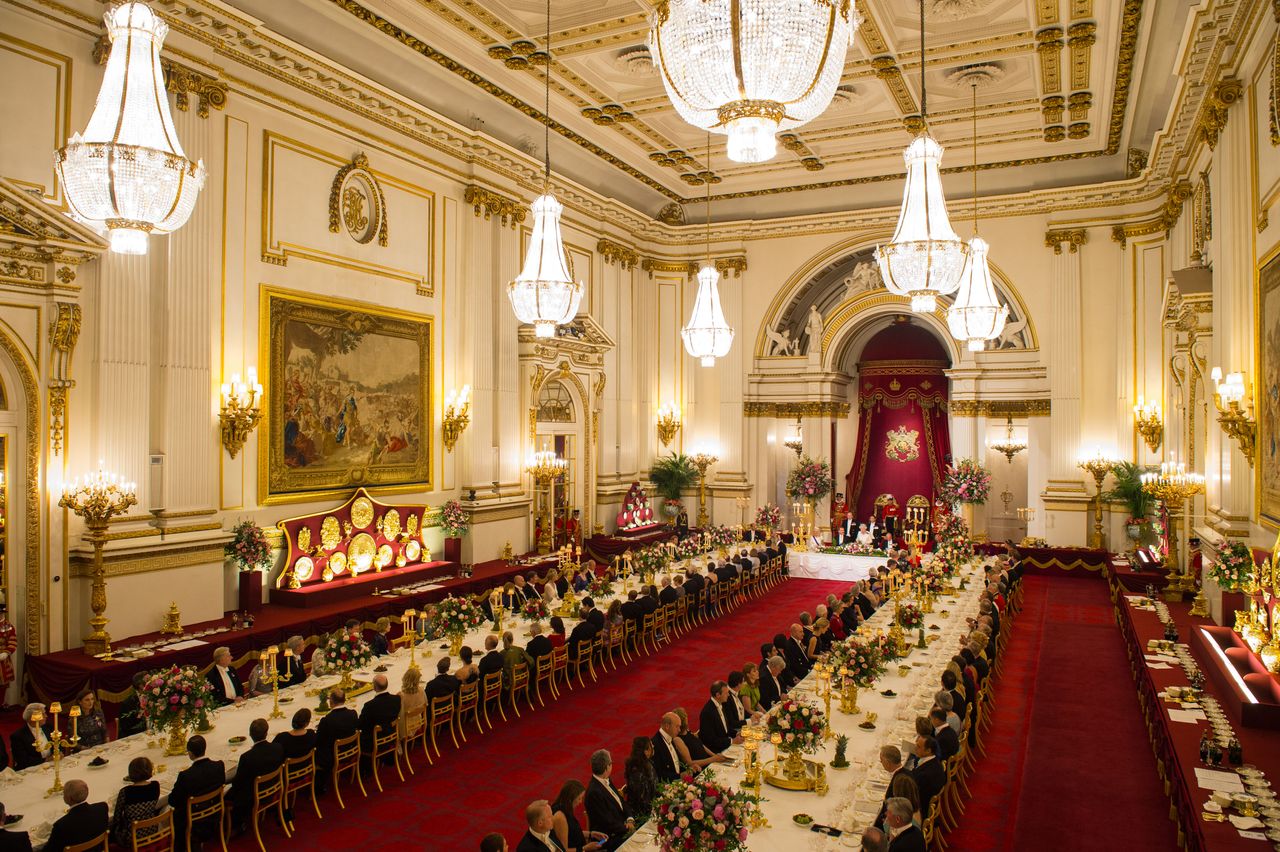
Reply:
x=546, y=110
x=708, y=183
x=924, y=92
x=974, y=87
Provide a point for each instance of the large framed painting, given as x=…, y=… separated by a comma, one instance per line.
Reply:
x=1268, y=384
x=348, y=398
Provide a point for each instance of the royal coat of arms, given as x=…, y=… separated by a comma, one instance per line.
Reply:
x=903, y=444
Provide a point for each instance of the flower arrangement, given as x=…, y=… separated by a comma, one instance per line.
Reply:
x=535, y=609
x=688, y=548
x=800, y=725
x=649, y=560
x=855, y=548
x=599, y=586
x=1234, y=568
x=702, y=815
x=768, y=516
x=862, y=660
x=457, y=615
x=671, y=506
x=910, y=617
x=952, y=546
x=248, y=548
x=888, y=647
x=966, y=481
x=810, y=479
x=454, y=520
x=721, y=536
x=176, y=695
x=346, y=652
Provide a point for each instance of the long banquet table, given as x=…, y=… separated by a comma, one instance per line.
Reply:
x=831, y=566
x=856, y=792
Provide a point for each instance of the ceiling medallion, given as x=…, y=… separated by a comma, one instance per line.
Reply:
x=636, y=60
x=981, y=75
x=847, y=97
x=954, y=10
x=751, y=68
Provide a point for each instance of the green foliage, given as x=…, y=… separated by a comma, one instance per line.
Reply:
x=673, y=474
x=1128, y=490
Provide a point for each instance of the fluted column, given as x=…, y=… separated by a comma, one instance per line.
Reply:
x=1065, y=354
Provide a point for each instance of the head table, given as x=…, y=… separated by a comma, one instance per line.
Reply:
x=25, y=792
x=856, y=792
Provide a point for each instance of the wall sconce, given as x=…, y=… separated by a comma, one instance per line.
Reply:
x=1146, y=416
x=457, y=416
x=795, y=443
x=668, y=423
x=1234, y=400
x=241, y=410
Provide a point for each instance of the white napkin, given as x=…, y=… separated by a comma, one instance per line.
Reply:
x=1244, y=823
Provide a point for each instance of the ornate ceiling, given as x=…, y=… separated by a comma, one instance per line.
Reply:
x=1056, y=97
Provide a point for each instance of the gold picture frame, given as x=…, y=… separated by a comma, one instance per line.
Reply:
x=1267, y=384
x=348, y=398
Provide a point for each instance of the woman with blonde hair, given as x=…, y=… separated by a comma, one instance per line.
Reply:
x=412, y=699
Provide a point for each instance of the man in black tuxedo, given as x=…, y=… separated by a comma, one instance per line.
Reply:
x=13, y=841
x=293, y=669
x=202, y=777
x=443, y=685
x=891, y=760
x=735, y=712
x=539, y=837
x=903, y=836
x=338, y=724
x=668, y=594
x=81, y=823
x=539, y=646
x=929, y=773
x=589, y=613
x=492, y=660
x=262, y=758
x=606, y=811
x=797, y=657
x=29, y=744
x=583, y=631
x=524, y=590
x=223, y=680
x=381, y=711
x=631, y=607
x=771, y=688
x=948, y=739
x=666, y=760
x=713, y=721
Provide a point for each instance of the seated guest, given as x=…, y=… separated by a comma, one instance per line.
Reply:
x=299, y=740
x=29, y=744
x=81, y=823
x=538, y=837
x=412, y=699
x=202, y=777
x=668, y=594
x=948, y=740
x=512, y=599
x=583, y=631
x=693, y=754
x=380, y=643
x=261, y=759
x=950, y=684
x=606, y=811
x=771, y=687
x=140, y=799
x=443, y=685
x=642, y=780
x=630, y=608
x=557, y=636
x=379, y=713
x=648, y=600
x=749, y=690
x=93, y=724
x=901, y=835
x=767, y=652
x=13, y=841
x=492, y=660
x=257, y=684
x=523, y=594
x=798, y=659
x=713, y=721
x=292, y=668
x=564, y=820
x=319, y=666
x=338, y=724
x=539, y=646
x=820, y=642
x=666, y=757
x=467, y=670
x=735, y=710
x=891, y=761
x=226, y=685
x=929, y=774
x=513, y=655
x=944, y=702
x=613, y=616
x=494, y=842
x=130, y=719
x=904, y=786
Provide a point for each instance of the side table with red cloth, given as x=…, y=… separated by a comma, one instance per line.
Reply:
x=250, y=584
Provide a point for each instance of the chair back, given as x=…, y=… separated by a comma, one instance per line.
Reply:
x=268, y=789
x=98, y=843
x=150, y=833
x=584, y=653
x=544, y=670
x=492, y=685
x=469, y=697
x=384, y=743
x=207, y=806
x=346, y=752
x=648, y=623
x=520, y=676
x=441, y=709
x=300, y=772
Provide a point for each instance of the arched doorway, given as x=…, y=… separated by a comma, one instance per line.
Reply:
x=559, y=427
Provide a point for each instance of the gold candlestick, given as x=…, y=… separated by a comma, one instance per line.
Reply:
x=271, y=674
x=409, y=621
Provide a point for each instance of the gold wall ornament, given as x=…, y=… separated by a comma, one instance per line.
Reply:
x=1146, y=419
x=995, y=408
x=902, y=444
x=1233, y=397
x=1274, y=95
x=795, y=409
x=671, y=214
x=1213, y=114
x=241, y=410
x=1073, y=237
x=1135, y=162
x=1168, y=215
x=356, y=203
x=613, y=252
x=488, y=203
x=361, y=513
x=57, y=416
x=64, y=332
x=669, y=423
x=101, y=497
x=457, y=416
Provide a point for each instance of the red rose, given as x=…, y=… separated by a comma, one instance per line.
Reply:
x=798, y=725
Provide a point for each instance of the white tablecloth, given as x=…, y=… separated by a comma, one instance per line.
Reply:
x=831, y=566
x=856, y=793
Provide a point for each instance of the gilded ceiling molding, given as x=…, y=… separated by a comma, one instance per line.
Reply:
x=1073, y=237
x=734, y=265
x=64, y=332
x=1213, y=115
x=1168, y=216
x=1046, y=12
x=1080, y=40
x=1136, y=162
x=995, y=408
x=612, y=252
x=1049, y=47
x=490, y=204
x=608, y=114
x=793, y=143
x=181, y=81
x=520, y=55
x=886, y=68
x=789, y=410
x=1274, y=96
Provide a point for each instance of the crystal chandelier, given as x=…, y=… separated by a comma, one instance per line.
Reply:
x=127, y=170
x=1009, y=446
x=925, y=257
x=544, y=293
x=750, y=68
x=976, y=316
x=707, y=335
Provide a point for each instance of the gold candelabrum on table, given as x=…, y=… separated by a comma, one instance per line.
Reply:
x=822, y=673
x=457, y=416
x=495, y=604
x=916, y=538
x=98, y=499
x=59, y=741
x=916, y=520
x=702, y=462
x=668, y=423
x=1233, y=397
x=1173, y=486
x=241, y=410
x=848, y=694
x=409, y=624
x=896, y=633
x=1146, y=418
x=1098, y=467
x=271, y=674
x=546, y=467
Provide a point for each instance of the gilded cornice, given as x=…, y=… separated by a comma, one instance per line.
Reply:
x=1165, y=219
x=181, y=81
x=1073, y=237
x=612, y=252
x=1213, y=115
x=994, y=408
x=795, y=409
x=726, y=266
x=490, y=203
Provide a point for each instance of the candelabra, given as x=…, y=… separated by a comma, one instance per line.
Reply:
x=1233, y=399
x=744, y=502
x=701, y=462
x=1146, y=416
x=822, y=673
x=495, y=604
x=1173, y=486
x=795, y=443
x=457, y=416
x=1008, y=446
x=668, y=423
x=546, y=467
x=1098, y=467
x=915, y=538
x=97, y=500
x=848, y=694
x=271, y=674
x=241, y=410
x=58, y=741
x=409, y=623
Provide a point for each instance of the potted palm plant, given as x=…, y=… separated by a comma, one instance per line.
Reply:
x=670, y=476
x=1128, y=490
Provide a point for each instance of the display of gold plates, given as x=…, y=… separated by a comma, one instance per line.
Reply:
x=361, y=513
x=338, y=562
x=384, y=556
x=391, y=524
x=303, y=569
x=411, y=524
x=361, y=553
x=412, y=550
x=304, y=539
x=330, y=533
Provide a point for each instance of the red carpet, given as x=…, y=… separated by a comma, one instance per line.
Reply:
x=485, y=785
x=1068, y=766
